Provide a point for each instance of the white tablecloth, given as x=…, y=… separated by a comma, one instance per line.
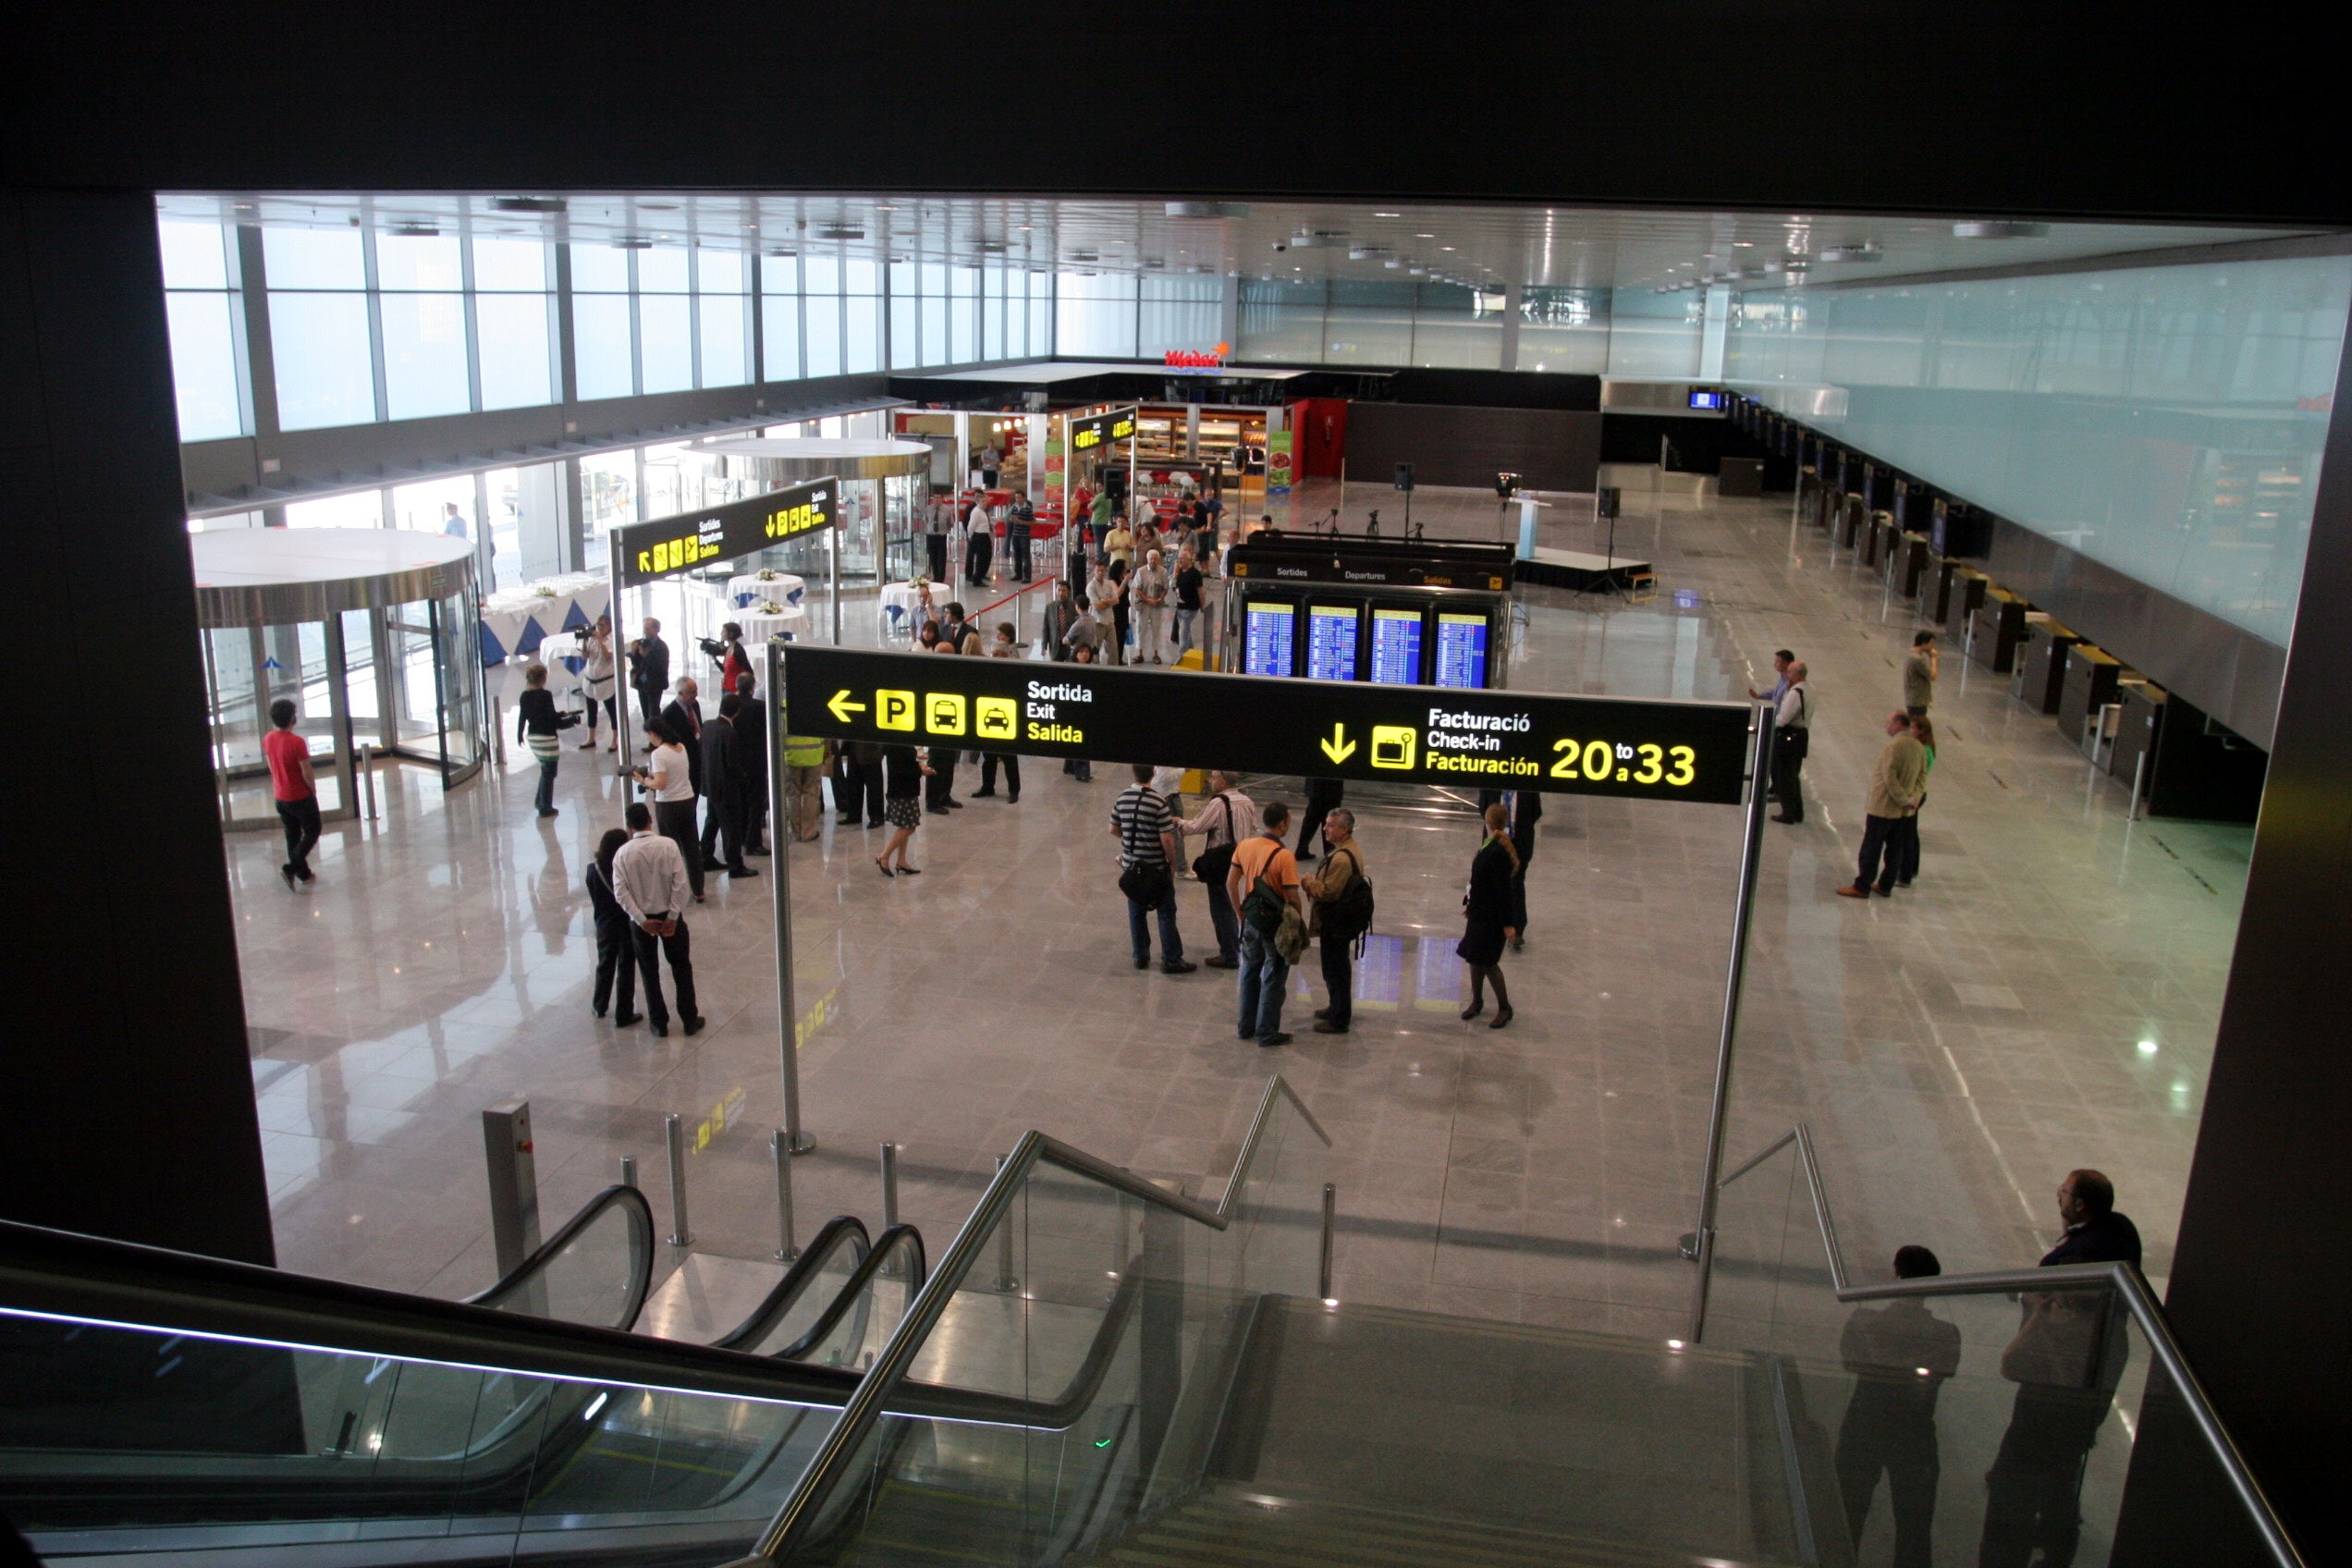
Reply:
x=516, y=621
x=758, y=629
x=896, y=608
x=750, y=588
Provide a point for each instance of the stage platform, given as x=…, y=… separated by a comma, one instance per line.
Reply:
x=1577, y=568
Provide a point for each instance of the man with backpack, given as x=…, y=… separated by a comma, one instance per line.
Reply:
x=1263, y=883
x=1340, y=913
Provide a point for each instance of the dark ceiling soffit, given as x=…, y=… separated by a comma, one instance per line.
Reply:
x=252, y=497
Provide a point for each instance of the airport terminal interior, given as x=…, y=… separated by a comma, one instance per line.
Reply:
x=2037, y=494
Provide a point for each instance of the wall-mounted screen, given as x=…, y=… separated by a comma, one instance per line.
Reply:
x=1462, y=649
x=1706, y=399
x=1268, y=641
x=1330, y=642
x=1396, y=645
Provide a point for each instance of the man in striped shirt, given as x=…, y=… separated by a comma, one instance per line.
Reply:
x=1146, y=835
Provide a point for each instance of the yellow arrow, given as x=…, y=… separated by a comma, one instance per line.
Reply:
x=841, y=707
x=1338, y=748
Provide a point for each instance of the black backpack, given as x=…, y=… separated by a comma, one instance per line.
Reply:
x=1350, y=915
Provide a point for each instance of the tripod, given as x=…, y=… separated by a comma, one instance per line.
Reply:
x=1608, y=586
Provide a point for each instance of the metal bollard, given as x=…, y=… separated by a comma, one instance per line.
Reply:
x=514, y=1183
x=1331, y=1221
x=498, y=728
x=674, y=1134
x=629, y=1171
x=367, y=776
x=1005, y=1278
x=781, y=1146
x=889, y=1185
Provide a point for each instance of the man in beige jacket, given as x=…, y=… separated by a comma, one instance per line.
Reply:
x=1897, y=783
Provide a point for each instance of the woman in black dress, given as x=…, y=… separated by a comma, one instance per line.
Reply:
x=903, y=776
x=1487, y=913
x=616, y=964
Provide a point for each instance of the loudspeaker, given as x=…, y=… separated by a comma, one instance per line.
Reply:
x=1607, y=496
x=1404, y=477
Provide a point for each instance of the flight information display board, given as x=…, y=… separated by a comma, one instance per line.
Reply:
x=1462, y=649
x=1396, y=645
x=647, y=552
x=1268, y=642
x=1330, y=642
x=1643, y=748
x=1098, y=431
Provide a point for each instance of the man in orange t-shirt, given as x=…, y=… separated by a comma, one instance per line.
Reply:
x=1264, y=972
x=295, y=789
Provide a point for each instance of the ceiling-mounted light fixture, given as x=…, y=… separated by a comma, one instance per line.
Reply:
x=841, y=231
x=530, y=203
x=1208, y=209
x=1865, y=251
x=413, y=228
x=1998, y=228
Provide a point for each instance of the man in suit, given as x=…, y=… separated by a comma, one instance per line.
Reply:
x=726, y=786
x=649, y=670
x=1523, y=809
x=751, y=729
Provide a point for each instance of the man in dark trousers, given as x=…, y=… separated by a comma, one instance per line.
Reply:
x=649, y=881
x=2067, y=1361
x=750, y=730
x=683, y=717
x=1901, y=1355
x=1322, y=794
x=649, y=668
x=1791, y=742
x=726, y=788
x=1523, y=809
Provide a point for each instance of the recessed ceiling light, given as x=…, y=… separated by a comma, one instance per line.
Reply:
x=1424, y=237
x=1387, y=215
x=1743, y=244
x=1445, y=247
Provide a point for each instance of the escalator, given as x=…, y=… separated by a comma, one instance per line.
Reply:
x=1100, y=1370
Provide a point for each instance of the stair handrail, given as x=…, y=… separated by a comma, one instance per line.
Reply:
x=793, y=1520
x=2124, y=1278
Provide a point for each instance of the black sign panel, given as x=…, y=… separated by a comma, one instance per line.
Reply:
x=1340, y=567
x=1311, y=729
x=666, y=547
x=1098, y=431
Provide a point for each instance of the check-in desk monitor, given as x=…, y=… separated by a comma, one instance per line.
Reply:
x=1396, y=645
x=1331, y=633
x=1269, y=639
x=1462, y=649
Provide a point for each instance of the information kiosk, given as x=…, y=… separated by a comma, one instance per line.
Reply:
x=1391, y=612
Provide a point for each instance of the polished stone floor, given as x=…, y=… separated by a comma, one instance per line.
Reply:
x=2045, y=997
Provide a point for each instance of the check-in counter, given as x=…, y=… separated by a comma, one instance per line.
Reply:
x=1948, y=573
x=1995, y=627
x=1907, y=565
x=1739, y=476
x=1849, y=525
x=2142, y=704
x=2041, y=664
x=1881, y=535
x=2090, y=677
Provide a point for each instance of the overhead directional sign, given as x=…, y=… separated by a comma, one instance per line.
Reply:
x=1666, y=751
x=647, y=551
x=1098, y=431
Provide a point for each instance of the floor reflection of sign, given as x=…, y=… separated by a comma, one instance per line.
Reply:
x=1462, y=650
x=1396, y=646
x=1330, y=642
x=1268, y=648
x=1469, y=738
x=1436, y=976
x=1379, y=973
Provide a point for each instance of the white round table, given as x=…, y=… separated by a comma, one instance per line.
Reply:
x=900, y=604
x=750, y=588
x=758, y=627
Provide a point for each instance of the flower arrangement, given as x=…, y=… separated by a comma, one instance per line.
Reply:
x=769, y=574
x=768, y=607
x=540, y=591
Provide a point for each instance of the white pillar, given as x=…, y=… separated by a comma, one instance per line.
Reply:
x=1718, y=322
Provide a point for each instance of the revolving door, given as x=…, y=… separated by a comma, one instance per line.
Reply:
x=371, y=634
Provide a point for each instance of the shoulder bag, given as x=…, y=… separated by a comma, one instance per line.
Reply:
x=1211, y=864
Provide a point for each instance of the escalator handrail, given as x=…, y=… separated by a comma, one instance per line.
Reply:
x=812, y=1258
x=877, y=1257
x=60, y=1274
x=865, y=1407
x=2124, y=1278
x=641, y=1253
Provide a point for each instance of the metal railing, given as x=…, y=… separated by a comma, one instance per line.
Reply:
x=2122, y=1277
x=866, y=1406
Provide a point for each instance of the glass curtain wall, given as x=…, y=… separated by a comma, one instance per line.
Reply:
x=2166, y=422
x=203, y=302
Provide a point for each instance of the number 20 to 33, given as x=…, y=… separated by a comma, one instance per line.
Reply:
x=1598, y=760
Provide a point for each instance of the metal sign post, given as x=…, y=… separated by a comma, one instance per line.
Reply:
x=1703, y=1242
x=780, y=866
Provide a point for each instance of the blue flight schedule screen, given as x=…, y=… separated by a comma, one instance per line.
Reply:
x=1396, y=646
x=1267, y=649
x=1462, y=650
x=1330, y=642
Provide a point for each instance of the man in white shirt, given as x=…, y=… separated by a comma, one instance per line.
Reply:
x=939, y=522
x=1148, y=592
x=1228, y=817
x=979, y=542
x=649, y=880
x=1793, y=720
